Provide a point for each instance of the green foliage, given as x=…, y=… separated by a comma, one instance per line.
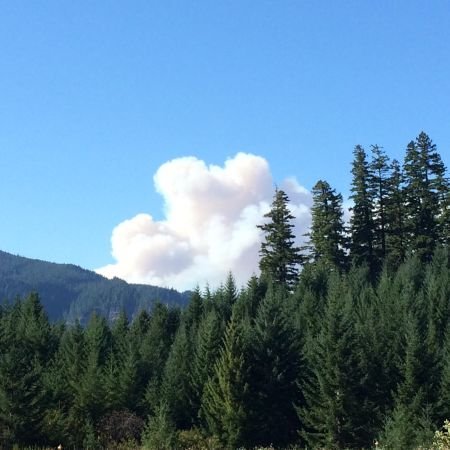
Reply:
x=226, y=400
x=379, y=185
x=160, y=432
x=176, y=387
x=275, y=372
x=362, y=227
x=24, y=347
x=426, y=195
x=193, y=439
x=206, y=351
x=395, y=237
x=71, y=293
x=334, y=411
x=335, y=358
x=327, y=240
x=404, y=429
x=441, y=440
x=279, y=256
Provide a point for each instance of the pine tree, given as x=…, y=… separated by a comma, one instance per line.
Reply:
x=250, y=298
x=69, y=367
x=226, y=399
x=361, y=222
x=408, y=426
x=24, y=347
x=379, y=186
x=194, y=311
x=88, y=390
x=395, y=217
x=443, y=404
x=226, y=297
x=327, y=240
x=120, y=379
x=426, y=191
x=275, y=370
x=279, y=256
x=206, y=352
x=333, y=391
x=154, y=349
x=160, y=432
x=176, y=388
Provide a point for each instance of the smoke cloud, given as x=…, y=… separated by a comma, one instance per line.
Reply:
x=210, y=224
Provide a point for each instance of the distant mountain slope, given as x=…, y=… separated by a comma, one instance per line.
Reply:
x=69, y=292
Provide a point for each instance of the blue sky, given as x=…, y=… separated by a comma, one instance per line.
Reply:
x=96, y=96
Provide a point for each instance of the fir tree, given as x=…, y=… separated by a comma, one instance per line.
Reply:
x=154, y=350
x=327, y=240
x=408, y=426
x=206, y=351
x=160, y=432
x=395, y=217
x=176, y=387
x=279, y=256
x=379, y=186
x=275, y=370
x=194, y=311
x=226, y=400
x=333, y=391
x=426, y=190
x=24, y=346
x=361, y=222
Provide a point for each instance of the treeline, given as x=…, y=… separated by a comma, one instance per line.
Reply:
x=397, y=210
x=352, y=350
x=337, y=363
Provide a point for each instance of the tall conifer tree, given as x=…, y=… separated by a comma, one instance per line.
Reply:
x=279, y=255
x=379, y=185
x=226, y=401
x=395, y=218
x=333, y=417
x=275, y=370
x=327, y=240
x=361, y=222
x=426, y=191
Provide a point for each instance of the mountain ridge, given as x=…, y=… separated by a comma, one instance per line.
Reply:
x=70, y=292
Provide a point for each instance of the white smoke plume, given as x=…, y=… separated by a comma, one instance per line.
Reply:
x=210, y=225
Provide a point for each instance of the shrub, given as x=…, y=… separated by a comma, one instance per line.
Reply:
x=193, y=439
x=441, y=439
x=120, y=427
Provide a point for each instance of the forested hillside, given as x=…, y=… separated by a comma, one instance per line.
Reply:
x=336, y=345
x=71, y=293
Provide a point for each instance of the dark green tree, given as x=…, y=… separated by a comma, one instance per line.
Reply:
x=426, y=190
x=327, y=239
x=333, y=416
x=279, y=256
x=226, y=399
x=194, y=311
x=379, y=186
x=89, y=389
x=395, y=218
x=154, y=350
x=160, y=432
x=276, y=367
x=362, y=228
x=176, y=389
x=24, y=348
x=408, y=426
x=206, y=352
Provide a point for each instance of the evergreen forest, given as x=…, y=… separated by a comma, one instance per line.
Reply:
x=341, y=343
